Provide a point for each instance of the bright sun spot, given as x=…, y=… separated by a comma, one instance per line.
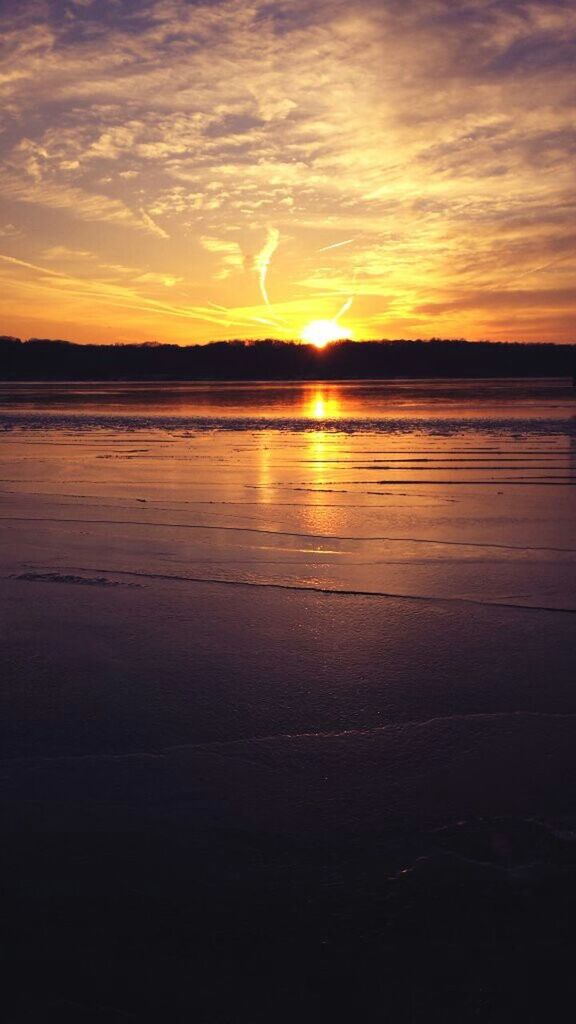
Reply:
x=321, y=332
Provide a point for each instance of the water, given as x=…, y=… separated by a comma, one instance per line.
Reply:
x=316, y=638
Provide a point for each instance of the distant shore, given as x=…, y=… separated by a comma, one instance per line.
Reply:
x=46, y=359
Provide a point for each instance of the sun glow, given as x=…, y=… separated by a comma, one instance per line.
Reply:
x=321, y=332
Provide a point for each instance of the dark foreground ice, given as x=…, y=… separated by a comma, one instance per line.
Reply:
x=288, y=713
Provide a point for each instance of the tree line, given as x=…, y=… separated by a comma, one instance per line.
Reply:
x=47, y=359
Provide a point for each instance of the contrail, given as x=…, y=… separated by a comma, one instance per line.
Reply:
x=247, y=319
x=223, y=309
x=336, y=245
x=348, y=302
x=536, y=270
x=263, y=259
x=344, y=309
x=264, y=320
x=34, y=266
x=126, y=300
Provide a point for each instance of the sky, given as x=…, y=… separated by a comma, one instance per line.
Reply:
x=193, y=170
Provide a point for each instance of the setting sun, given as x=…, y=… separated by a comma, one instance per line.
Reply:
x=321, y=332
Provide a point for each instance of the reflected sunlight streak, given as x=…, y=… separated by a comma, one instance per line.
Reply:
x=323, y=404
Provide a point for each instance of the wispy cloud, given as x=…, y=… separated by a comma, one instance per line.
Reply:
x=263, y=259
x=416, y=154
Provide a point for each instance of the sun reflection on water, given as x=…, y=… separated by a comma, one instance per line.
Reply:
x=266, y=481
x=322, y=403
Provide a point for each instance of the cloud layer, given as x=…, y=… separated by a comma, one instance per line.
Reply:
x=150, y=151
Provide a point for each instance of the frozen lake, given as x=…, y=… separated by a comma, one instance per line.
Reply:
x=432, y=525
x=322, y=613
x=439, y=491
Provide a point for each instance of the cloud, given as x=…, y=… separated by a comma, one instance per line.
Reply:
x=166, y=280
x=437, y=136
x=65, y=253
x=230, y=255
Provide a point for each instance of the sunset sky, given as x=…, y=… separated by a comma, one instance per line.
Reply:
x=187, y=171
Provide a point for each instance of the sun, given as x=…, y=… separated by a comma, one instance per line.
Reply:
x=321, y=332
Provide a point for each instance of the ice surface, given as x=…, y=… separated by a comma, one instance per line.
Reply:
x=401, y=585
x=287, y=677
x=477, y=507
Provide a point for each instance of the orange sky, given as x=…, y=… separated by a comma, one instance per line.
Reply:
x=187, y=171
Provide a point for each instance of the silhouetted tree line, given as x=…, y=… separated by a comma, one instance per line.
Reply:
x=44, y=359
